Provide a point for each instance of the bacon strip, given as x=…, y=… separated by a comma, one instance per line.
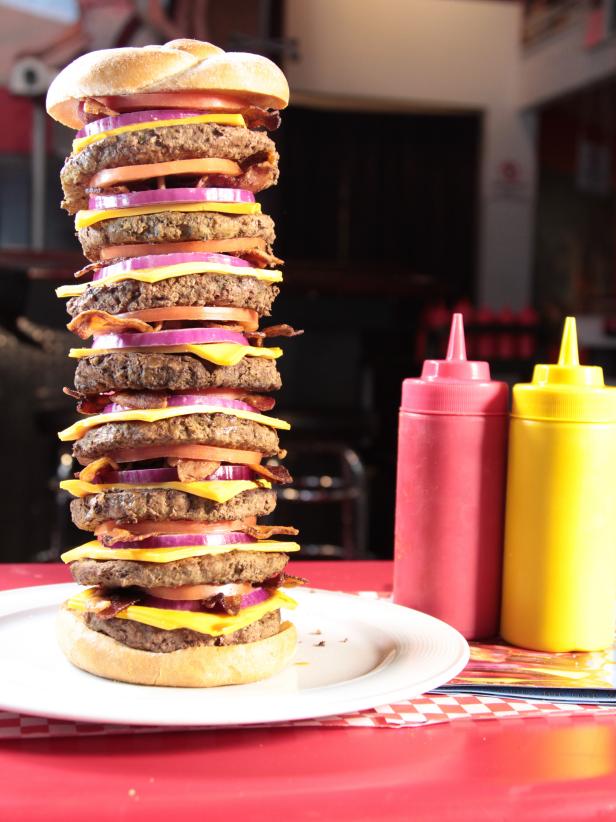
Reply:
x=102, y=464
x=112, y=602
x=256, y=117
x=268, y=531
x=91, y=323
x=274, y=473
x=193, y=470
x=280, y=330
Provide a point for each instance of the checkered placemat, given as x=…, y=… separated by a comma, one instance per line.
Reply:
x=425, y=710
x=429, y=709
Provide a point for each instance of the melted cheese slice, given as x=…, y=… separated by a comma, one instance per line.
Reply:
x=169, y=620
x=79, y=428
x=215, y=490
x=222, y=119
x=217, y=353
x=167, y=272
x=94, y=550
x=87, y=217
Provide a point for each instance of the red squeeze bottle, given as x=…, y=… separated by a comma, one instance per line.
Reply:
x=452, y=450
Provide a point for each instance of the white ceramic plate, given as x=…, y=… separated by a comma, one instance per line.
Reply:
x=354, y=653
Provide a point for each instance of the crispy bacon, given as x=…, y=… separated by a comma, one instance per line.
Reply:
x=274, y=473
x=90, y=268
x=280, y=330
x=256, y=117
x=230, y=605
x=193, y=470
x=95, y=403
x=91, y=109
x=88, y=404
x=99, y=466
x=108, y=604
x=91, y=323
x=267, y=531
x=283, y=580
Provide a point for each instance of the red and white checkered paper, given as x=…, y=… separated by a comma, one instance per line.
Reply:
x=425, y=710
x=429, y=709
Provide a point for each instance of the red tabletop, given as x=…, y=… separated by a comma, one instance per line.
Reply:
x=519, y=769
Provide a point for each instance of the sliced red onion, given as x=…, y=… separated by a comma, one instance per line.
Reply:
x=176, y=336
x=232, y=472
x=181, y=540
x=146, y=475
x=159, y=260
x=132, y=118
x=159, y=196
x=142, y=475
x=203, y=399
x=253, y=598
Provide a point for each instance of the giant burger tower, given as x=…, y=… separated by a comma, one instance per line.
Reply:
x=173, y=368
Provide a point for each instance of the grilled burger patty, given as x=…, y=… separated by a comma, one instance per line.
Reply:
x=192, y=289
x=159, y=145
x=159, y=504
x=147, y=638
x=174, y=227
x=221, y=430
x=138, y=371
x=215, y=569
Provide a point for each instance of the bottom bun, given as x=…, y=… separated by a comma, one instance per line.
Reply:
x=203, y=666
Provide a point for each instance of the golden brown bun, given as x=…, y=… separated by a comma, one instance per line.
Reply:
x=198, y=667
x=180, y=65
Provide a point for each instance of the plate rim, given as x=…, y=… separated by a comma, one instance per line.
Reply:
x=20, y=600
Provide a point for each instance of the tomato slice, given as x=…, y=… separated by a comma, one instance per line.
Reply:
x=175, y=99
x=235, y=246
x=126, y=174
x=191, y=452
x=248, y=318
x=185, y=592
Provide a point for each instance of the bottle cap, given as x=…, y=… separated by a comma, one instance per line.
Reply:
x=566, y=390
x=455, y=385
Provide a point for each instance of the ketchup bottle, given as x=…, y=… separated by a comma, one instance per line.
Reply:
x=450, y=491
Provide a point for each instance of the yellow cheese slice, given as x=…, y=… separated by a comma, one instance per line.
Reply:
x=94, y=550
x=166, y=272
x=87, y=217
x=79, y=428
x=215, y=490
x=169, y=620
x=222, y=119
x=217, y=353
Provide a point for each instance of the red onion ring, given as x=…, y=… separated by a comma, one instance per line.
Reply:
x=149, y=475
x=134, y=117
x=160, y=260
x=160, y=196
x=181, y=540
x=254, y=598
x=179, y=336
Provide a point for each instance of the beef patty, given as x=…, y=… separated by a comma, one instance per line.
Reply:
x=215, y=569
x=138, y=371
x=159, y=145
x=221, y=430
x=160, y=504
x=192, y=289
x=147, y=638
x=175, y=227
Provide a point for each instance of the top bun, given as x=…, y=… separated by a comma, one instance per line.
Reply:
x=180, y=65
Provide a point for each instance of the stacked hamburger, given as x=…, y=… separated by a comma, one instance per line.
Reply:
x=184, y=584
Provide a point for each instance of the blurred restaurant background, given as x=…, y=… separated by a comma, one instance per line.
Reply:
x=436, y=155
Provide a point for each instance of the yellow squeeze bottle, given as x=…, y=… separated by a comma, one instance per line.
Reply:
x=559, y=574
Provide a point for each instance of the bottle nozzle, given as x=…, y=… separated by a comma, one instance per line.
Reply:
x=568, y=355
x=456, y=350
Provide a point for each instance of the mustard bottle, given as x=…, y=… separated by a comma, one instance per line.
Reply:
x=559, y=570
